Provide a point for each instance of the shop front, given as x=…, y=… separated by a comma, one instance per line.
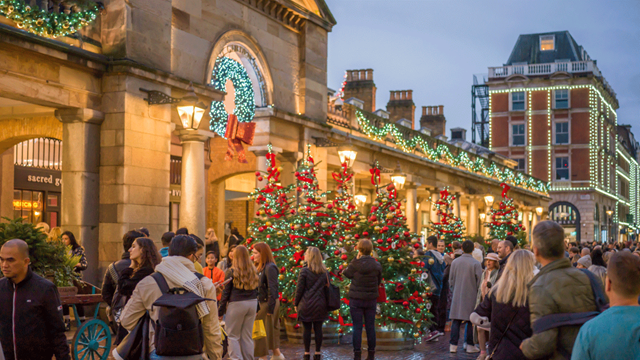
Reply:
x=37, y=195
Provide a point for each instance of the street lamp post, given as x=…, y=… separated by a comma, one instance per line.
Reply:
x=398, y=177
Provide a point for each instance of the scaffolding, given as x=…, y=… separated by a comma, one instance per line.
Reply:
x=480, y=112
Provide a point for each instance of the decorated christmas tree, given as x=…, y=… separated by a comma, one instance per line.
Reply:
x=406, y=307
x=505, y=220
x=449, y=227
x=274, y=205
x=311, y=224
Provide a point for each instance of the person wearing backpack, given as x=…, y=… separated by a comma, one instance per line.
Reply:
x=311, y=301
x=114, y=270
x=558, y=288
x=240, y=303
x=181, y=305
x=144, y=258
x=614, y=333
x=268, y=294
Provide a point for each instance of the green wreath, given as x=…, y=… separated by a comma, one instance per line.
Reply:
x=47, y=24
x=229, y=69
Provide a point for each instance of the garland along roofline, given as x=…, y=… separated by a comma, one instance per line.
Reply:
x=442, y=154
x=47, y=24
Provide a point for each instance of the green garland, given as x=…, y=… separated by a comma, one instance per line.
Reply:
x=44, y=23
x=229, y=69
x=442, y=154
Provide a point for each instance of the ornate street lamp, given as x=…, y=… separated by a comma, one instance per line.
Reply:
x=189, y=109
x=398, y=177
x=360, y=198
x=539, y=210
x=609, y=212
x=488, y=200
x=347, y=154
x=482, y=217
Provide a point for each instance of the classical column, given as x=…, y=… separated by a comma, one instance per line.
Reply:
x=434, y=198
x=192, y=200
x=456, y=205
x=80, y=180
x=412, y=216
x=472, y=227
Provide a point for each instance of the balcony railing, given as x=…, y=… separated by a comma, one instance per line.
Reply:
x=572, y=67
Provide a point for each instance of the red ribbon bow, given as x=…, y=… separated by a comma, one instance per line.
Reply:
x=238, y=133
x=375, y=173
x=505, y=188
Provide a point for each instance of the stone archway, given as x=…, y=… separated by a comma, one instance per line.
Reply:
x=567, y=215
x=14, y=131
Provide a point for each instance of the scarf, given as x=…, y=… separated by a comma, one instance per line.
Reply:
x=180, y=270
x=437, y=255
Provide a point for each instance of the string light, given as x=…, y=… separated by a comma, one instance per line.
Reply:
x=245, y=106
x=43, y=23
x=441, y=153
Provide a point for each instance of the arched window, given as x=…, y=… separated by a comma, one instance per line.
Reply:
x=242, y=54
x=567, y=215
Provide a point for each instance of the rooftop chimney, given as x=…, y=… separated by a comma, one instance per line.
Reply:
x=360, y=85
x=401, y=106
x=433, y=118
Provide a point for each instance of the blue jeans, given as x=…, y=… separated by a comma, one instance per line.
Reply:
x=455, y=332
x=366, y=308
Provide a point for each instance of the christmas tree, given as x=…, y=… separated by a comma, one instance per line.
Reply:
x=505, y=220
x=310, y=225
x=274, y=205
x=406, y=307
x=450, y=227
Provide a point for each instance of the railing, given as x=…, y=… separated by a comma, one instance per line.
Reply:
x=337, y=115
x=573, y=67
x=175, y=170
x=544, y=69
x=43, y=153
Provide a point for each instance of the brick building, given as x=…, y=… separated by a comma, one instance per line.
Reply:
x=551, y=110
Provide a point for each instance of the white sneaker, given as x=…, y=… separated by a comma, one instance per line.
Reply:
x=472, y=349
x=278, y=357
x=453, y=348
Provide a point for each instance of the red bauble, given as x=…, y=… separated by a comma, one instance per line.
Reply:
x=364, y=233
x=356, y=236
x=416, y=294
x=296, y=326
x=406, y=233
x=257, y=213
x=261, y=229
x=297, y=173
x=389, y=240
x=343, y=257
x=269, y=169
x=307, y=225
x=416, y=245
x=336, y=252
x=298, y=189
x=340, y=267
x=260, y=178
x=268, y=236
x=305, y=187
x=372, y=218
x=308, y=208
x=316, y=224
x=392, y=208
x=380, y=241
x=385, y=228
x=397, y=236
x=405, y=303
x=292, y=211
x=257, y=173
x=417, y=310
x=330, y=206
x=282, y=269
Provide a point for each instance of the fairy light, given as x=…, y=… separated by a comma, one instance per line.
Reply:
x=549, y=131
x=44, y=23
x=245, y=106
x=529, y=122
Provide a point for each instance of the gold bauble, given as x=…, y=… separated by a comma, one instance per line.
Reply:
x=10, y=9
x=414, y=240
x=310, y=232
x=427, y=289
x=377, y=228
x=324, y=224
x=296, y=226
x=268, y=223
x=416, y=335
x=390, y=259
x=39, y=22
x=280, y=233
x=279, y=169
x=431, y=261
x=345, y=264
x=261, y=212
x=389, y=215
x=281, y=276
x=413, y=271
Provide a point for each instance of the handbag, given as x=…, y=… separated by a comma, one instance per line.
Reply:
x=136, y=344
x=259, y=331
x=333, y=295
x=503, y=334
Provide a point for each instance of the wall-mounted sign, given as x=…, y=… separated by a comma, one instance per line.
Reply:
x=29, y=178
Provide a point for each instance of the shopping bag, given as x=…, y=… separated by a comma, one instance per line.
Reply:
x=258, y=330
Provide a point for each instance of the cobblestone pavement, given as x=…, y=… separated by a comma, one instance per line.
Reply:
x=433, y=350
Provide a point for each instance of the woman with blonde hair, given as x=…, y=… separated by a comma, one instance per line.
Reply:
x=507, y=308
x=241, y=296
x=268, y=298
x=55, y=234
x=311, y=301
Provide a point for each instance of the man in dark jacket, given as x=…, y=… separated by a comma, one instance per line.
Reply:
x=366, y=275
x=505, y=248
x=114, y=270
x=434, y=265
x=558, y=288
x=31, y=325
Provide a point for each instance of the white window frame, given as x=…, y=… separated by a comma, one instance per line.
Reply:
x=517, y=123
x=511, y=100
x=555, y=167
x=524, y=159
x=553, y=38
x=555, y=139
x=568, y=99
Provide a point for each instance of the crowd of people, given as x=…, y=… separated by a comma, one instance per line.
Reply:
x=549, y=300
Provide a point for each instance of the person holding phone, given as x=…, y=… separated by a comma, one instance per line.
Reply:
x=212, y=272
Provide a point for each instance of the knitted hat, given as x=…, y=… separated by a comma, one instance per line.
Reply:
x=493, y=256
x=585, y=261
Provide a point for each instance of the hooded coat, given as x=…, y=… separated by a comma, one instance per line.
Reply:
x=365, y=274
x=311, y=298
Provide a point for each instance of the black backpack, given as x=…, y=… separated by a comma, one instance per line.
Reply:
x=178, y=330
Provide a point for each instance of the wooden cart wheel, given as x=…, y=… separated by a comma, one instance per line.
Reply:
x=92, y=341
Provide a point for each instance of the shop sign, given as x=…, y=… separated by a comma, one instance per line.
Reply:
x=37, y=179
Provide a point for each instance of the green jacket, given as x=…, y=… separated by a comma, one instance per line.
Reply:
x=558, y=288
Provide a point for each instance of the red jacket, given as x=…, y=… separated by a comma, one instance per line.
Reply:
x=215, y=275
